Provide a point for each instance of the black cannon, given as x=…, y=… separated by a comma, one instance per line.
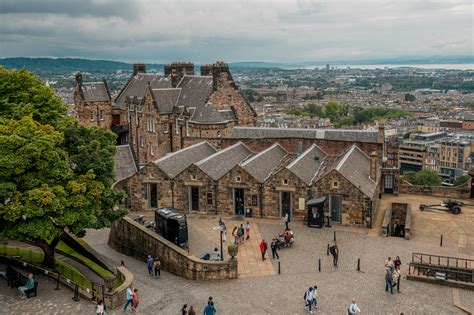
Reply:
x=449, y=205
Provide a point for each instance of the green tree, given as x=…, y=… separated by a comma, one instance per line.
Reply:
x=461, y=180
x=427, y=178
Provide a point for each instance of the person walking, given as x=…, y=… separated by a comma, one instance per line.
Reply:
x=263, y=248
x=135, y=299
x=309, y=299
x=389, y=263
x=129, y=298
x=149, y=264
x=210, y=309
x=99, y=308
x=334, y=250
x=388, y=281
x=191, y=310
x=287, y=220
x=184, y=310
x=315, y=297
x=274, y=247
x=239, y=235
x=353, y=308
x=242, y=233
x=224, y=232
x=247, y=229
x=234, y=234
x=396, y=279
x=157, y=267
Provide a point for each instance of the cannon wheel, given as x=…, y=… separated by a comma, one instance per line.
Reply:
x=422, y=207
x=456, y=210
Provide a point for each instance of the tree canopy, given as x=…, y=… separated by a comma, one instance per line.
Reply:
x=55, y=175
x=423, y=178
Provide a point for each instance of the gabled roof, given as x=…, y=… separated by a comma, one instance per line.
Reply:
x=137, y=85
x=95, y=91
x=124, y=163
x=262, y=165
x=195, y=90
x=218, y=164
x=306, y=166
x=174, y=163
x=166, y=99
x=354, y=165
x=282, y=133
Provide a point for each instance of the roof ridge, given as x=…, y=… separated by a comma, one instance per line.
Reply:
x=219, y=152
x=182, y=150
x=345, y=157
x=263, y=152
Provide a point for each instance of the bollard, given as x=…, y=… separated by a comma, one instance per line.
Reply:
x=328, y=250
x=57, y=282
x=334, y=236
x=319, y=264
x=358, y=264
x=279, y=270
x=441, y=241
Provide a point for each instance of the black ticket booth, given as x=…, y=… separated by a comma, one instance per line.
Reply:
x=172, y=225
x=316, y=212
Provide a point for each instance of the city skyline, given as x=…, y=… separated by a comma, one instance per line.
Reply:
x=203, y=31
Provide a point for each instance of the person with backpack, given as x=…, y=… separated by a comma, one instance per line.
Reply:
x=334, y=250
x=274, y=247
x=242, y=233
x=353, y=308
x=388, y=281
x=239, y=236
x=149, y=265
x=129, y=298
x=309, y=299
x=263, y=248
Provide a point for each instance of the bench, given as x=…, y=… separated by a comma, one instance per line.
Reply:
x=22, y=282
x=11, y=275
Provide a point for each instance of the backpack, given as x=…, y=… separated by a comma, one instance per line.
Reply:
x=305, y=295
x=332, y=250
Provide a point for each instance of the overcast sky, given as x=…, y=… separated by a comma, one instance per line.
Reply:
x=235, y=30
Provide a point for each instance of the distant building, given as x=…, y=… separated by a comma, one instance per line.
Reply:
x=281, y=94
x=468, y=123
x=427, y=125
x=453, y=158
x=412, y=153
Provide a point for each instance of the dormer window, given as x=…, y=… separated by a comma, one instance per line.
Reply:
x=238, y=179
x=284, y=181
x=335, y=184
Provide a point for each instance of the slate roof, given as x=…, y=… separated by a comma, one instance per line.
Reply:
x=137, y=85
x=166, y=99
x=174, y=163
x=124, y=164
x=306, y=166
x=195, y=90
x=354, y=165
x=218, y=164
x=330, y=134
x=262, y=165
x=95, y=91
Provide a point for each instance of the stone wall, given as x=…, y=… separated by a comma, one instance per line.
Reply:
x=462, y=192
x=193, y=177
x=132, y=239
x=102, y=111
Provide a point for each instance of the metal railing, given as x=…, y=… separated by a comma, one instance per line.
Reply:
x=442, y=260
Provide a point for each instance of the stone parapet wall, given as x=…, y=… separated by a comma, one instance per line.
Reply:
x=462, y=192
x=132, y=239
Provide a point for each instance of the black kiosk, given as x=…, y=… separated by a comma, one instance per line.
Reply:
x=316, y=212
x=172, y=225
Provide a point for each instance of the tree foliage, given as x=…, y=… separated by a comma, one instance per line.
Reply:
x=461, y=180
x=54, y=174
x=423, y=178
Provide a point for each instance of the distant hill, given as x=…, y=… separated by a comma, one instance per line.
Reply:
x=55, y=65
x=262, y=64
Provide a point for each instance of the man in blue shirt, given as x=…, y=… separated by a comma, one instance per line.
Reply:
x=210, y=309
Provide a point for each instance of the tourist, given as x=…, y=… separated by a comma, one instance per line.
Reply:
x=216, y=254
x=389, y=263
x=135, y=299
x=239, y=235
x=234, y=234
x=122, y=264
x=263, y=248
x=210, y=309
x=129, y=298
x=247, y=229
x=353, y=308
x=388, y=281
x=184, y=309
x=274, y=247
x=149, y=264
x=224, y=231
x=30, y=284
x=396, y=279
x=397, y=263
x=287, y=220
x=308, y=298
x=157, y=267
x=334, y=250
x=99, y=308
x=191, y=310
x=242, y=233
x=315, y=296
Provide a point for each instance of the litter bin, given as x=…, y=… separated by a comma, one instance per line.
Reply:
x=248, y=212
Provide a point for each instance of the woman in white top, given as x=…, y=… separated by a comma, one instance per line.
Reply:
x=100, y=308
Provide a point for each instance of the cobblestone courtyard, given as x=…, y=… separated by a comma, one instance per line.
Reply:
x=261, y=290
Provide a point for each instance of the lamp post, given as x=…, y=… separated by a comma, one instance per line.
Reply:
x=221, y=230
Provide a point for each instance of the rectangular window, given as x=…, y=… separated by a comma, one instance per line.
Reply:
x=152, y=150
x=142, y=142
x=335, y=184
x=238, y=179
x=193, y=177
x=152, y=195
x=284, y=181
x=254, y=200
x=209, y=198
x=165, y=128
x=92, y=115
x=101, y=114
x=187, y=128
x=177, y=127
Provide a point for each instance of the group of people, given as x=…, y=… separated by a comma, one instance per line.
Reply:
x=209, y=309
x=241, y=233
x=392, y=274
x=153, y=266
x=311, y=298
x=132, y=299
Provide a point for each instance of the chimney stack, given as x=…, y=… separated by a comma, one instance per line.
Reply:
x=373, y=166
x=206, y=70
x=218, y=68
x=139, y=68
x=177, y=70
